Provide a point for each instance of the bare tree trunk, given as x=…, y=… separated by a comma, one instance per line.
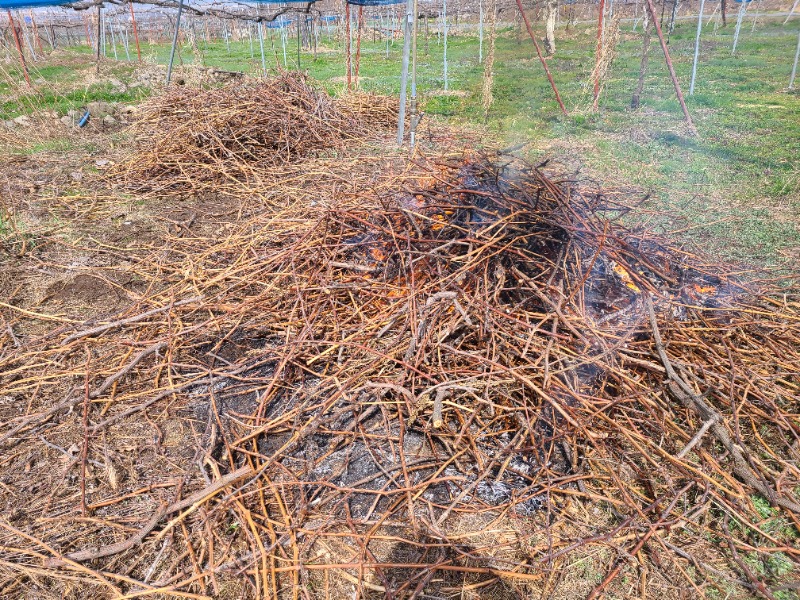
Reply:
x=551, y=12
x=642, y=66
x=724, y=10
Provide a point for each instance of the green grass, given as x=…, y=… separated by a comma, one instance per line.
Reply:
x=734, y=190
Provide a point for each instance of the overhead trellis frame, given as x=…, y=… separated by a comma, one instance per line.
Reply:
x=284, y=8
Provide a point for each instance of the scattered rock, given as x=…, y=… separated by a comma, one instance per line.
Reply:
x=23, y=120
x=67, y=120
x=9, y=124
x=129, y=110
x=99, y=110
x=109, y=120
x=103, y=162
x=76, y=176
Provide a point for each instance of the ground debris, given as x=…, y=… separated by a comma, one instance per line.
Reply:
x=449, y=372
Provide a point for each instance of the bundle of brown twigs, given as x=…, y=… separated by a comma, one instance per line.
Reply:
x=217, y=139
x=461, y=377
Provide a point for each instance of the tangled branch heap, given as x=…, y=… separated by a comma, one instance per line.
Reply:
x=210, y=140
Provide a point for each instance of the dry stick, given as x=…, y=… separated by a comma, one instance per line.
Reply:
x=85, y=446
x=192, y=501
x=696, y=439
x=690, y=400
x=121, y=373
x=674, y=77
x=541, y=58
x=127, y=321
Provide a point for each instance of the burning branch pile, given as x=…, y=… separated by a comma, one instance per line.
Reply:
x=466, y=374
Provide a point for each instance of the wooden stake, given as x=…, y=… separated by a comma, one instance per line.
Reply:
x=135, y=32
x=597, y=53
x=541, y=58
x=674, y=77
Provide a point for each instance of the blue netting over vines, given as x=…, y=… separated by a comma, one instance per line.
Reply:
x=375, y=2
x=14, y=4
x=284, y=1
x=278, y=23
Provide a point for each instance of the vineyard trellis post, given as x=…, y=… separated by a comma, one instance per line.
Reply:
x=697, y=46
x=174, y=41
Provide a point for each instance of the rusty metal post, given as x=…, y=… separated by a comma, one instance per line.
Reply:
x=19, y=48
x=541, y=58
x=347, y=43
x=674, y=77
x=135, y=32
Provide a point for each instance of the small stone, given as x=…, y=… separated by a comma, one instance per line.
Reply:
x=98, y=110
x=74, y=114
x=103, y=162
x=23, y=120
x=76, y=176
x=67, y=120
x=109, y=120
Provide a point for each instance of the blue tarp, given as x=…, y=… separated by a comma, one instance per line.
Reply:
x=15, y=4
x=375, y=2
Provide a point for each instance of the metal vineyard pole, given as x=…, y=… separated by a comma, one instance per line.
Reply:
x=794, y=67
x=401, y=120
x=174, y=41
x=697, y=46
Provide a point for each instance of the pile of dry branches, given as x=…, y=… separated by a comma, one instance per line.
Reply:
x=455, y=375
x=207, y=140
